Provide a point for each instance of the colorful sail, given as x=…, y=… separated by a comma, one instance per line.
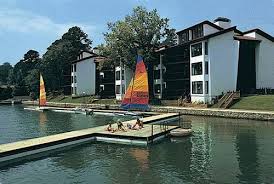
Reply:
x=137, y=94
x=42, y=97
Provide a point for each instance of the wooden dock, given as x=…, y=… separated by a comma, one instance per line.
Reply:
x=150, y=133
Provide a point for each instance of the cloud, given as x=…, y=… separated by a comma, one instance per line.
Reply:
x=18, y=20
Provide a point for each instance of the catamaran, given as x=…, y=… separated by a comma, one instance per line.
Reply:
x=42, y=97
x=137, y=94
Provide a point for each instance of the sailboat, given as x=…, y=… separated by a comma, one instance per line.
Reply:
x=137, y=94
x=42, y=97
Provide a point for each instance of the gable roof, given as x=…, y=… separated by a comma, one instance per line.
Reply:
x=260, y=32
x=203, y=38
x=201, y=23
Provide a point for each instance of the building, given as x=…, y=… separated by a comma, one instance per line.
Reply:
x=212, y=58
x=87, y=79
x=123, y=76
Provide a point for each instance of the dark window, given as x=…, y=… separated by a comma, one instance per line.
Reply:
x=72, y=79
x=183, y=37
x=156, y=74
x=196, y=50
x=206, y=48
x=197, y=32
x=123, y=89
x=206, y=87
x=74, y=67
x=117, y=75
x=196, y=68
x=123, y=74
x=197, y=87
x=71, y=68
x=75, y=90
x=118, y=89
x=75, y=80
x=206, y=67
x=157, y=88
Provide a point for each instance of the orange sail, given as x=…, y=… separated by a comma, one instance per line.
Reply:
x=137, y=94
x=42, y=97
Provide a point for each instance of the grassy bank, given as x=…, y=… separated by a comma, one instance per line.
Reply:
x=257, y=102
x=83, y=100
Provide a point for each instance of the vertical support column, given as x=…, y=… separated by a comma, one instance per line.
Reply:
x=161, y=75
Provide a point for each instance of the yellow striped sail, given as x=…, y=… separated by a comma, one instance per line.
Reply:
x=42, y=97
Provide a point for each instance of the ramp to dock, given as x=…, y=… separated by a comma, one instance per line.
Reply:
x=149, y=134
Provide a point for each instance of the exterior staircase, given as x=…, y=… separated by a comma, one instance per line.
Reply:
x=228, y=99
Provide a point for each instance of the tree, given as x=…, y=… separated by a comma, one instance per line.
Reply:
x=4, y=72
x=22, y=71
x=56, y=62
x=32, y=82
x=144, y=30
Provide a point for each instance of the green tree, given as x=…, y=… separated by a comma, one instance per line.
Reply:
x=22, y=71
x=32, y=82
x=4, y=72
x=56, y=62
x=144, y=30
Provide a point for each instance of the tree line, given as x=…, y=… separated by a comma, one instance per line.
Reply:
x=142, y=31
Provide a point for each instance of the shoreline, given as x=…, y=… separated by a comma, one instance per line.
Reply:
x=214, y=112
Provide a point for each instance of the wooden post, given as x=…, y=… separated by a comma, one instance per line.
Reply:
x=151, y=130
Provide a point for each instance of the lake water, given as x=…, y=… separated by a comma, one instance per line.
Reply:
x=220, y=151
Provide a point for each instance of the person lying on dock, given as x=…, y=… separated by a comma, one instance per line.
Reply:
x=121, y=126
x=138, y=125
x=109, y=128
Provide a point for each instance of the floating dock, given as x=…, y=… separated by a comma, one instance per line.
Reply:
x=155, y=128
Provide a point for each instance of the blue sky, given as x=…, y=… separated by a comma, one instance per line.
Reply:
x=35, y=24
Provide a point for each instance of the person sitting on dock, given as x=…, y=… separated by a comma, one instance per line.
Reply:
x=138, y=123
x=109, y=128
x=121, y=126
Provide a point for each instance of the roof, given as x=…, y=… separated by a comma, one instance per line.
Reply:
x=201, y=23
x=82, y=59
x=204, y=37
x=260, y=32
x=247, y=38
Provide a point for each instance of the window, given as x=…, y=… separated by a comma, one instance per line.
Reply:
x=102, y=88
x=102, y=75
x=157, y=88
x=75, y=80
x=197, y=87
x=196, y=68
x=117, y=75
x=156, y=74
x=183, y=37
x=123, y=89
x=206, y=87
x=123, y=74
x=75, y=90
x=197, y=32
x=206, y=67
x=74, y=67
x=206, y=48
x=118, y=91
x=196, y=50
x=72, y=79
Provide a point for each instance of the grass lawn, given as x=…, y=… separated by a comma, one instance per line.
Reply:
x=83, y=100
x=256, y=102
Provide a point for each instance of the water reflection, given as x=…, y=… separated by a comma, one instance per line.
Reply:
x=141, y=155
x=247, y=149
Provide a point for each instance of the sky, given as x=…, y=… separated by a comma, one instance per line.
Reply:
x=35, y=24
